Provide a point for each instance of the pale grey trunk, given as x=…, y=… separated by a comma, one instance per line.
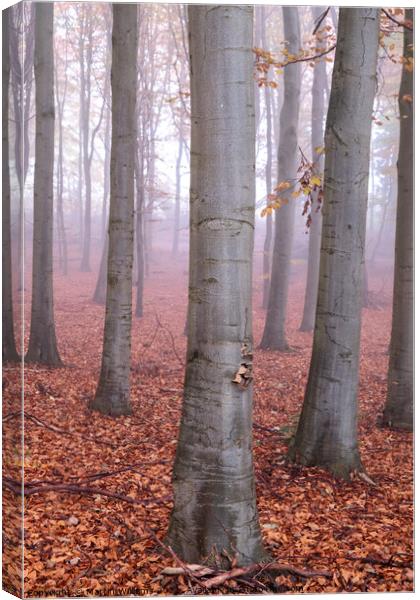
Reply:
x=319, y=88
x=327, y=430
x=213, y=478
x=398, y=412
x=85, y=262
x=113, y=392
x=9, y=345
x=139, y=231
x=274, y=335
x=99, y=295
x=177, y=211
x=42, y=340
x=268, y=176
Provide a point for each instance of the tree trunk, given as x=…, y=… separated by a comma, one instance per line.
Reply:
x=268, y=177
x=85, y=263
x=398, y=412
x=99, y=295
x=9, y=345
x=327, y=432
x=213, y=478
x=317, y=139
x=139, y=232
x=274, y=336
x=113, y=391
x=42, y=340
x=177, y=212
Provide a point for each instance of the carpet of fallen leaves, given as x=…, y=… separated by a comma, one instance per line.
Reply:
x=84, y=542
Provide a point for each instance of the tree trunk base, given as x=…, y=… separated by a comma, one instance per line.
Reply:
x=42, y=355
x=306, y=327
x=395, y=422
x=280, y=346
x=110, y=404
x=340, y=467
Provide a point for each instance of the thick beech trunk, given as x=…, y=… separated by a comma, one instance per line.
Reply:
x=398, y=412
x=213, y=478
x=319, y=89
x=113, y=391
x=327, y=430
x=42, y=340
x=9, y=345
x=274, y=335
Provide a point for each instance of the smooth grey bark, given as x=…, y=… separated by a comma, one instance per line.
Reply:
x=319, y=91
x=9, y=346
x=327, y=431
x=113, y=392
x=213, y=477
x=99, y=295
x=398, y=412
x=268, y=176
x=274, y=336
x=42, y=339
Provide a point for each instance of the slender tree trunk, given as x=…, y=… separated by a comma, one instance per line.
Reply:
x=113, y=391
x=177, y=212
x=42, y=340
x=9, y=345
x=213, y=478
x=274, y=335
x=99, y=295
x=317, y=139
x=139, y=232
x=398, y=412
x=327, y=430
x=268, y=178
x=85, y=263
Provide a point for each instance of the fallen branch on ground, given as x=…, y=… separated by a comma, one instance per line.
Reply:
x=29, y=490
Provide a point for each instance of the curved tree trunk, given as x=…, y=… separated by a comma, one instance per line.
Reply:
x=327, y=430
x=42, y=340
x=213, y=478
x=9, y=345
x=319, y=88
x=274, y=335
x=398, y=412
x=113, y=392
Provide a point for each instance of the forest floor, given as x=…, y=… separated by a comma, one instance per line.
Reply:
x=79, y=541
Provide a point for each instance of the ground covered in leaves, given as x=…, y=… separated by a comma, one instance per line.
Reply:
x=98, y=490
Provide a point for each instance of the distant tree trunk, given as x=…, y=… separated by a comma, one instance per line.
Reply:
x=99, y=295
x=139, y=232
x=327, y=432
x=213, y=478
x=61, y=231
x=274, y=335
x=107, y=146
x=268, y=177
x=21, y=63
x=9, y=345
x=85, y=263
x=113, y=391
x=398, y=412
x=177, y=211
x=318, y=89
x=42, y=340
